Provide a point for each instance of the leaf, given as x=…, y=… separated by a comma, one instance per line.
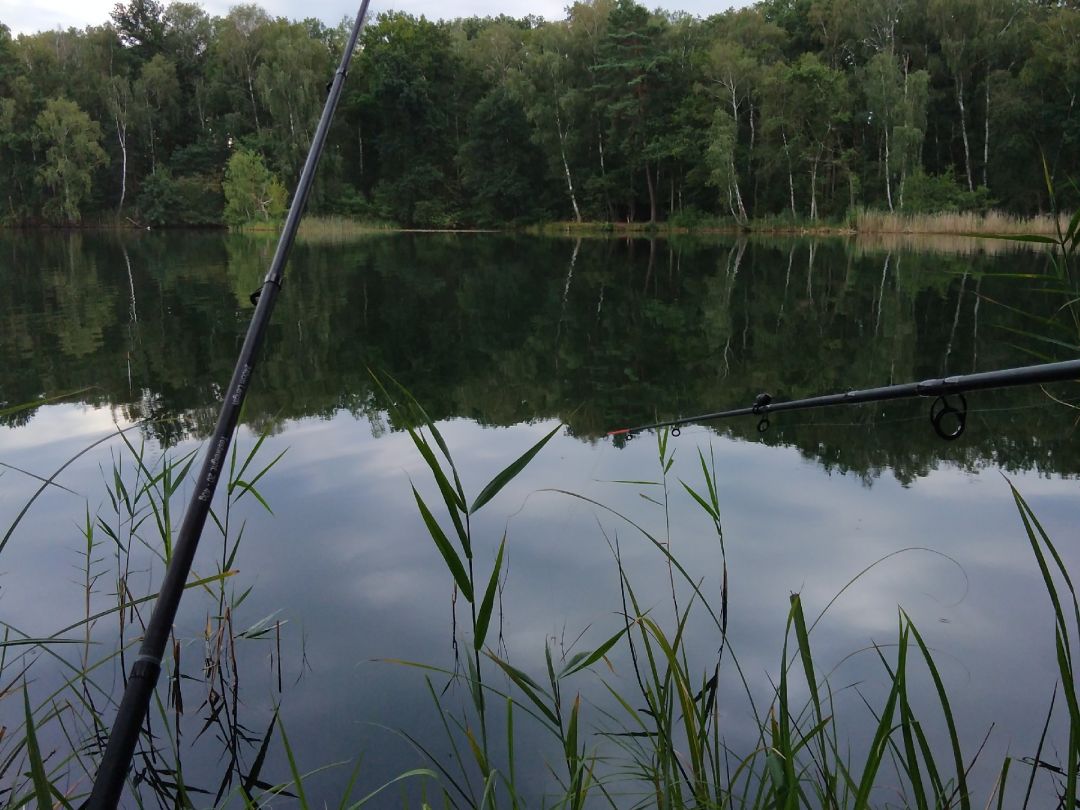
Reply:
x=946, y=710
x=453, y=496
x=1042, y=339
x=455, y=502
x=37, y=765
x=701, y=501
x=1074, y=227
x=253, y=775
x=570, y=742
x=588, y=659
x=483, y=618
x=477, y=753
x=453, y=562
x=527, y=685
x=504, y=478
x=298, y=780
x=424, y=772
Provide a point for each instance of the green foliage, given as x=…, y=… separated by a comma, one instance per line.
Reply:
x=71, y=143
x=501, y=167
x=924, y=193
x=192, y=200
x=614, y=114
x=410, y=107
x=252, y=193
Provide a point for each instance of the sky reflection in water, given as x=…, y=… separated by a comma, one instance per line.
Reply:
x=347, y=563
x=345, y=560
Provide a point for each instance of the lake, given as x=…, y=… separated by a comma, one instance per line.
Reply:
x=501, y=339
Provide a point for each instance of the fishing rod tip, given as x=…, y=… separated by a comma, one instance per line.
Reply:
x=619, y=432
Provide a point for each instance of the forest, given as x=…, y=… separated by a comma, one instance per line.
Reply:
x=795, y=110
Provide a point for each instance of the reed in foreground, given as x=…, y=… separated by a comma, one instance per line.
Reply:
x=663, y=745
x=64, y=682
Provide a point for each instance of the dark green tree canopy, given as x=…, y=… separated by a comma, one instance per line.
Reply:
x=797, y=108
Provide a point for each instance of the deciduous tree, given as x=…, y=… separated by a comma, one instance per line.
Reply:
x=72, y=150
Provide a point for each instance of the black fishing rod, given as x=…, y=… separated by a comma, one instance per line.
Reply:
x=948, y=412
x=109, y=783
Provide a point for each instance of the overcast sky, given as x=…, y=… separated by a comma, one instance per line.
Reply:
x=28, y=16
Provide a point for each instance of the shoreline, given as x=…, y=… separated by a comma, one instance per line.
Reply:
x=872, y=223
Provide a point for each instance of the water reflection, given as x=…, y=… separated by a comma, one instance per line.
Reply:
x=499, y=337
x=598, y=333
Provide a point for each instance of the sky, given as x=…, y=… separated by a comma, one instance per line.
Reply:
x=24, y=17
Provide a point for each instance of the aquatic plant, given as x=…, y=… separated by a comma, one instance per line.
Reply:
x=664, y=745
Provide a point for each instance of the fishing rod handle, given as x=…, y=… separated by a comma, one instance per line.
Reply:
x=112, y=771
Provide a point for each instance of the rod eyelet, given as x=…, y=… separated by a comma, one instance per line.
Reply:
x=942, y=409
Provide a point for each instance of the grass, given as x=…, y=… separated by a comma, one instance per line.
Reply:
x=878, y=242
x=663, y=745
x=864, y=222
x=324, y=229
x=957, y=223
x=659, y=742
x=330, y=229
x=50, y=757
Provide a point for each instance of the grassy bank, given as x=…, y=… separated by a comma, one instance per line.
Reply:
x=958, y=223
x=323, y=229
x=336, y=228
x=866, y=221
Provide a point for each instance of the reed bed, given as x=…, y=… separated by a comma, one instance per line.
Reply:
x=324, y=229
x=959, y=223
x=941, y=243
x=330, y=229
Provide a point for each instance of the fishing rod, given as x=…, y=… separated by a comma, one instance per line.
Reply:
x=948, y=412
x=109, y=783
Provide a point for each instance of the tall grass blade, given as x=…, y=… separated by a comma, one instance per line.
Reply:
x=1002, y=779
x=531, y=689
x=427, y=773
x=298, y=779
x=1039, y=540
x=252, y=779
x=701, y=501
x=478, y=754
x=353, y=776
x=487, y=605
x=48, y=482
x=507, y=475
x=1073, y=231
x=584, y=660
x=33, y=752
x=946, y=710
x=25, y=406
x=430, y=423
x=450, y=557
x=1018, y=237
x=454, y=496
x=883, y=732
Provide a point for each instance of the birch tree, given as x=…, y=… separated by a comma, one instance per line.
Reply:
x=544, y=85
x=71, y=144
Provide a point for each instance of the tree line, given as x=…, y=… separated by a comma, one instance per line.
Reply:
x=599, y=335
x=797, y=109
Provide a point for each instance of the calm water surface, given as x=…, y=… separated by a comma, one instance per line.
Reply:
x=501, y=339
